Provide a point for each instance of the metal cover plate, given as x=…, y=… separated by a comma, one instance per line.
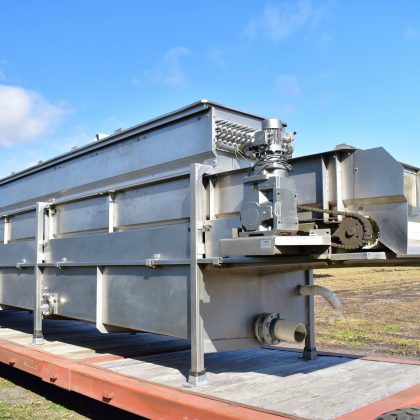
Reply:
x=266, y=245
x=302, y=240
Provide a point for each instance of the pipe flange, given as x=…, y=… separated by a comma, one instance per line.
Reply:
x=264, y=328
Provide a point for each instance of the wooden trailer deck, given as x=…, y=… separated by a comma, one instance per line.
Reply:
x=146, y=374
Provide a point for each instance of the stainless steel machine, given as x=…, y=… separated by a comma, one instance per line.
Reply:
x=199, y=224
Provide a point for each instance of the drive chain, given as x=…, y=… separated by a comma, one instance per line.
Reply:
x=368, y=231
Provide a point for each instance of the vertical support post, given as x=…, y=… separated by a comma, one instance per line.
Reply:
x=41, y=236
x=211, y=204
x=6, y=231
x=101, y=304
x=339, y=185
x=309, y=351
x=50, y=229
x=111, y=211
x=99, y=299
x=197, y=374
x=325, y=188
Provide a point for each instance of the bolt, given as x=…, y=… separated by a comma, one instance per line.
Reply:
x=107, y=396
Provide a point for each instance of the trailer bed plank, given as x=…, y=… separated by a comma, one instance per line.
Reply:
x=259, y=378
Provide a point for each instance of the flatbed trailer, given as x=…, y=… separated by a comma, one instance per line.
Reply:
x=146, y=374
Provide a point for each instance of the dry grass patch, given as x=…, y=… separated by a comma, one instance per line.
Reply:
x=380, y=312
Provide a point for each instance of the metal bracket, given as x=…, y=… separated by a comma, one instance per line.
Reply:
x=151, y=262
x=19, y=264
x=58, y=263
x=218, y=261
x=207, y=227
x=47, y=210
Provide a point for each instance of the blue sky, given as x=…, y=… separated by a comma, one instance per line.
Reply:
x=336, y=71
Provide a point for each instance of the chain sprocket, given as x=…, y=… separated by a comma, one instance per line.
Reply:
x=350, y=233
x=354, y=231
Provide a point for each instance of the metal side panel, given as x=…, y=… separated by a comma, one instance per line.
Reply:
x=81, y=215
x=219, y=229
x=76, y=290
x=392, y=220
x=2, y=230
x=307, y=175
x=418, y=188
x=414, y=237
x=17, y=287
x=170, y=241
x=148, y=299
x=372, y=176
x=17, y=252
x=234, y=298
x=411, y=187
x=182, y=139
x=228, y=193
x=162, y=201
x=22, y=226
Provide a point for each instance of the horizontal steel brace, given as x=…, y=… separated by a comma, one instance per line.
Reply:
x=104, y=191
x=286, y=262
x=100, y=263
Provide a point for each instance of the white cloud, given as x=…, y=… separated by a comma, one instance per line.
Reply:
x=280, y=23
x=411, y=33
x=288, y=85
x=168, y=71
x=25, y=115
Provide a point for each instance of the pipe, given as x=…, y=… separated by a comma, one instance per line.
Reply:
x=271, y=329
x=327, y=294
x=289, y=331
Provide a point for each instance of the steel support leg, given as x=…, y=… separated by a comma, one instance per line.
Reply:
x=41, y=237
x=309, y=351
x=38, y=337
x=197, y=375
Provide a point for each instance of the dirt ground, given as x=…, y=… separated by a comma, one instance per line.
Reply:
x=380, y=315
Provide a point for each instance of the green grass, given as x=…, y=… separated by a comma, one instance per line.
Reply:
x=19, y=403
x=356, y=338
x=392, y=329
